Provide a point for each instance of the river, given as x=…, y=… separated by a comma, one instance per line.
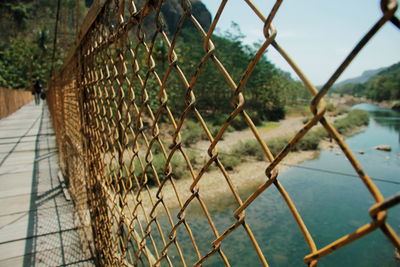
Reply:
x=331, y=205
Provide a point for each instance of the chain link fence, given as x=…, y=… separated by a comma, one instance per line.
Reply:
x=121, y=144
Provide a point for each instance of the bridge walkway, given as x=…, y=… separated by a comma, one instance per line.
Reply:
x=36, y=219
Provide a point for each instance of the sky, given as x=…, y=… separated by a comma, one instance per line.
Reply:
x=317, y=34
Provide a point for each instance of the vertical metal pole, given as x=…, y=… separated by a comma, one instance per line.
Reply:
x=55, y=38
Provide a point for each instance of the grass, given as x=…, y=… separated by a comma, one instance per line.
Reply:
x=339, y=111
x=300, y=110
x=330, y=107
x=311, y=141
x=251, y=148
x=354, y=119
x=240, y=152
x=248, y=148
x=193, y=132
x=230, y=161
x=158, y=162
x=269, y=125
x=277, y=144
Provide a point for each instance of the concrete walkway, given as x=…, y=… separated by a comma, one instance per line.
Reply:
x=36, y=221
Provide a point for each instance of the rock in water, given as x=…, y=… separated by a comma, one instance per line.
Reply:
x=384, y=148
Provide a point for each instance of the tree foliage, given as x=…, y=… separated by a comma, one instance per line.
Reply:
x=21, y=61
x=26, y=36
x=383, y=86
x=266, y=93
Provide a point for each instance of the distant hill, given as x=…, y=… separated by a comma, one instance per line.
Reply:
x=365, y=76
x=382, y=85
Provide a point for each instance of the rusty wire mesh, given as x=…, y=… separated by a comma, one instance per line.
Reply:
x=107, y=133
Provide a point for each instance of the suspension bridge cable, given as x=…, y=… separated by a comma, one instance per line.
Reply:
x=384, y=180
x=55, y=38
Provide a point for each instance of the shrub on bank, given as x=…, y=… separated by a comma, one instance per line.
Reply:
x=355, y=118
x=310, y=141
x=230, y=161
x=248, y=148
x=277, y=144
x=396, y=106
x=158, y=162
x=192, y=133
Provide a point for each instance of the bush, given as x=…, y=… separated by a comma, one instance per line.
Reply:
x=239, y=123
x=248, y=148
x=214, y=130
x=253, y=149
x=192, y=133
x=396, y=106
x=355, y=118
x=158, y=163
x=277, y=144
x=230, y=161
x=321, y=132
x=276, y=114
x=330, y=107
x=339, y=111
x=218, y=119
x=255, y=117
x=309, y=142
x=178, y=165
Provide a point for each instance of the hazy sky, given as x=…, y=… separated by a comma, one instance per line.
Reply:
x=318, y=34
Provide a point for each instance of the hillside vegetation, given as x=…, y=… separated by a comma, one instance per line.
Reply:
x=26, y=54
x=26, y=38
x=365, y=76
x=384, y=85
x=267, y=92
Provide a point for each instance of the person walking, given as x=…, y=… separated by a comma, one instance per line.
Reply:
x=37, y=90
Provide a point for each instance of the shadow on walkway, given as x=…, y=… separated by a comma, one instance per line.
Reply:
x=51, y=238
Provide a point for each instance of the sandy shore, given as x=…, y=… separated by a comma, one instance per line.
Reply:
x=245, y=178
x=214, y=188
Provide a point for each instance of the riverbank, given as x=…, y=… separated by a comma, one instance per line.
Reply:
x=348, y=101
x=249, y=173
x=332, y=203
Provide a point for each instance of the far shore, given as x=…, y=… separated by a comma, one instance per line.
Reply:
x=213, y=187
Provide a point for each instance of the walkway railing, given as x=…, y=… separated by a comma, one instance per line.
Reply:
x=108, y=130
x=12, y=100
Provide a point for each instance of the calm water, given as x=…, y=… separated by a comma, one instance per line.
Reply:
x=331, y=205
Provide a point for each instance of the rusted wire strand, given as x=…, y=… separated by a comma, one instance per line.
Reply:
x=114, y=123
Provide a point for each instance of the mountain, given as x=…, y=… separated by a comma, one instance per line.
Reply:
x=365, y=76
x=383, y=85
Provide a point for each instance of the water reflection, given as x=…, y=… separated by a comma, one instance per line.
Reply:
x=331, y=205
x=384, y=117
